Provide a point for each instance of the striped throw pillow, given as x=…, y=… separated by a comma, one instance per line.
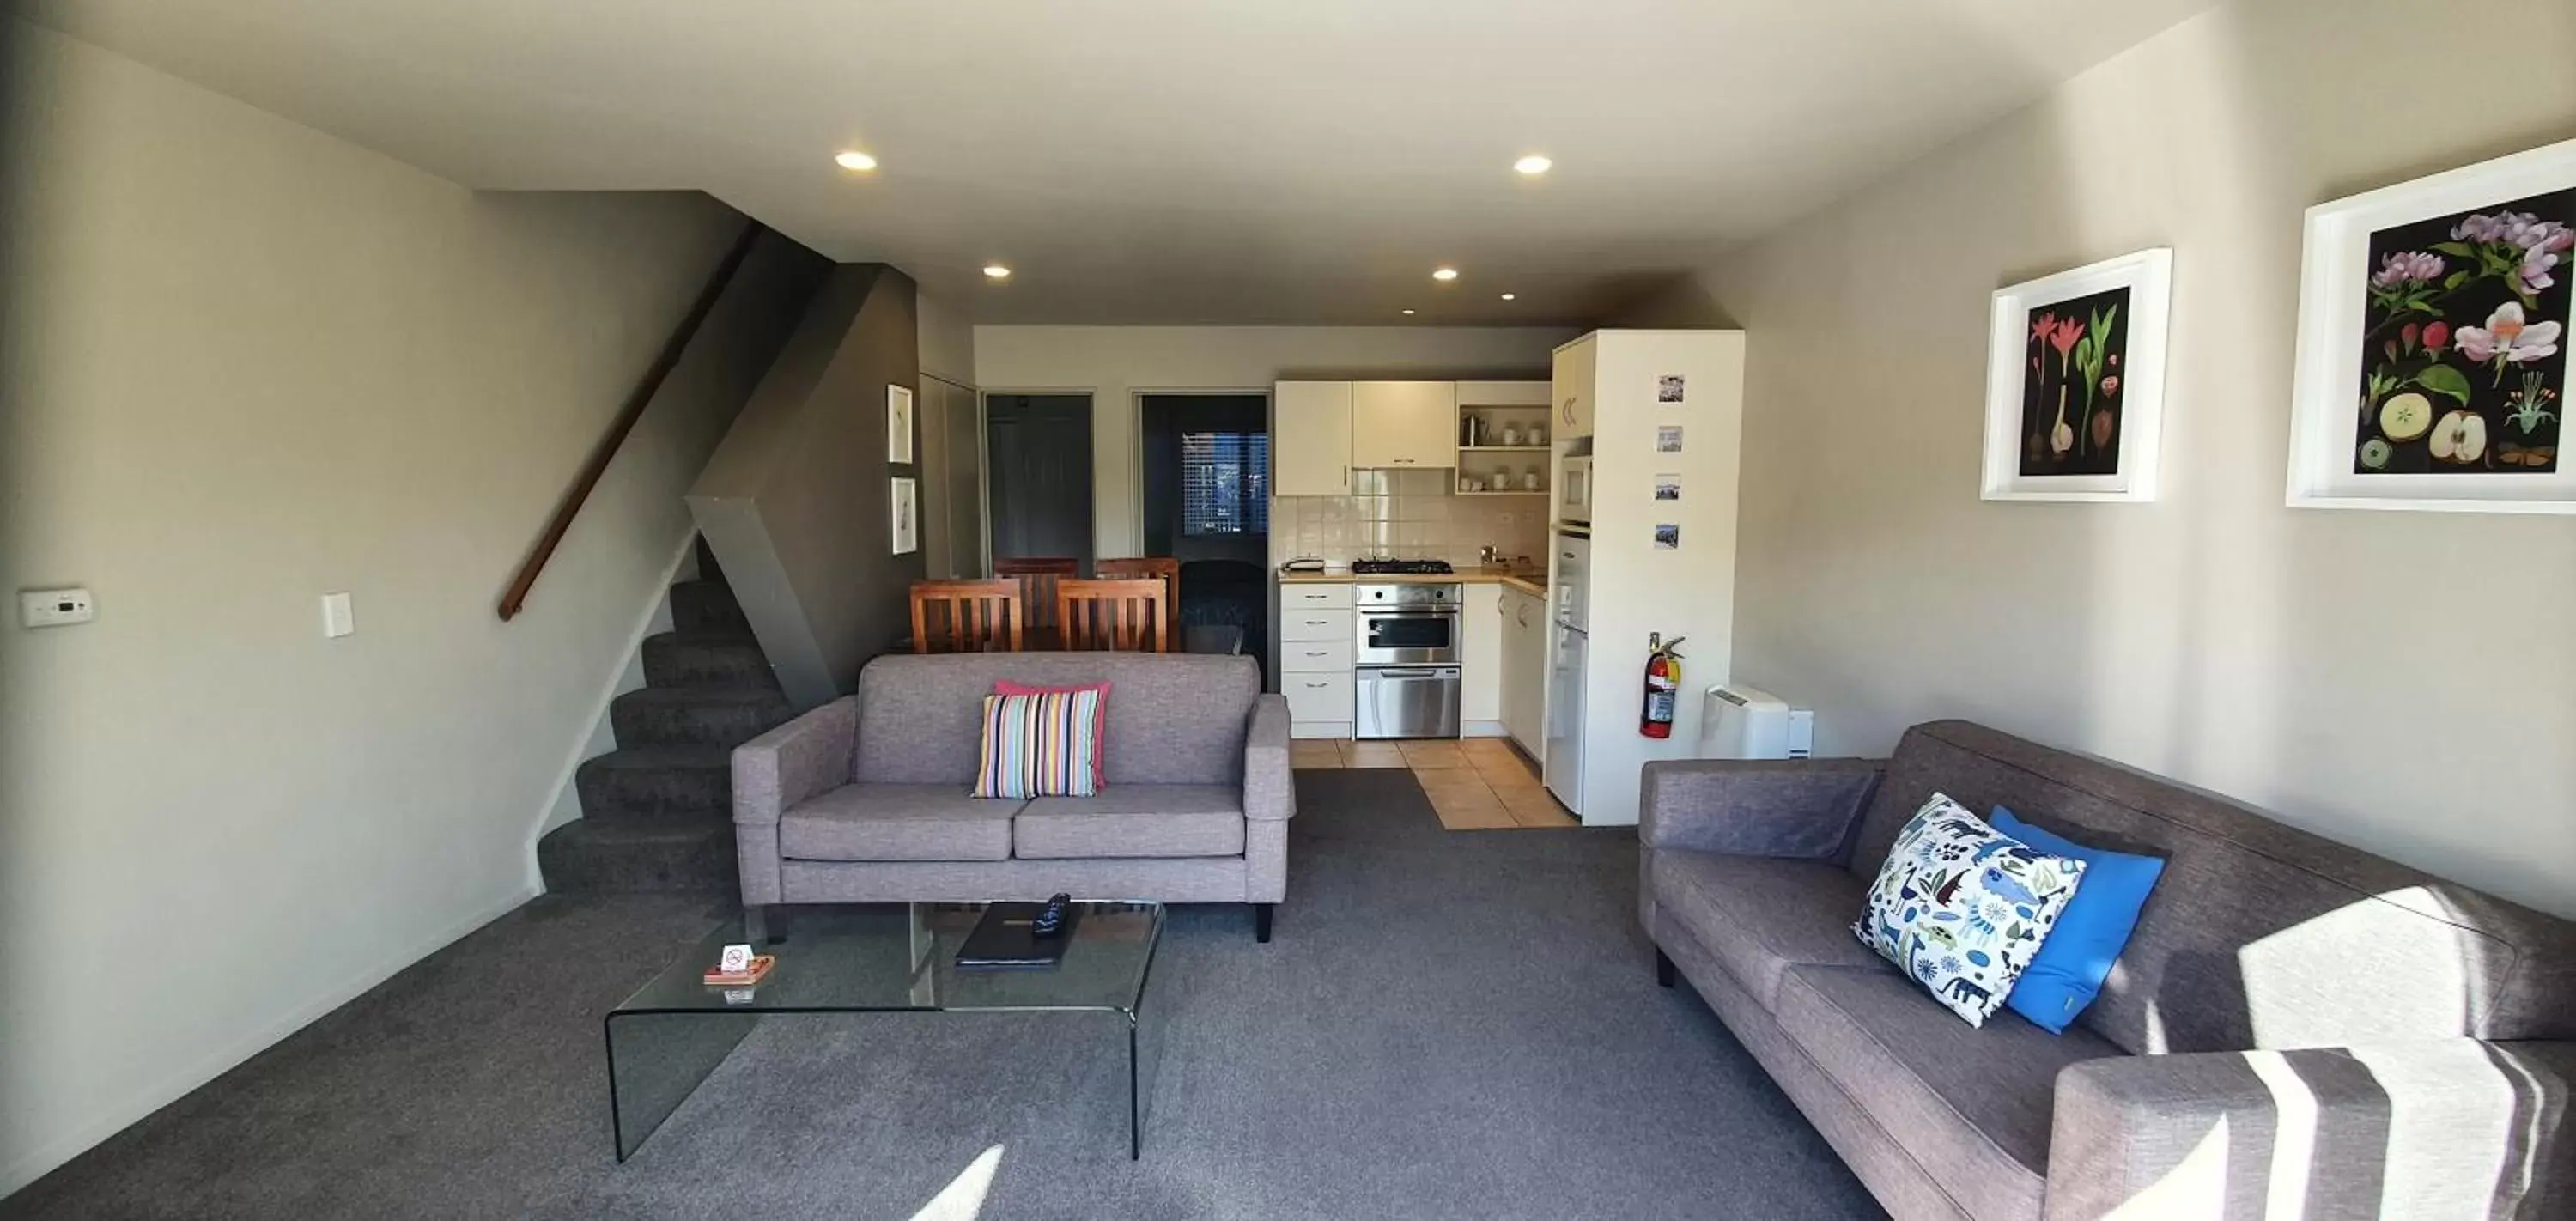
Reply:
x=1041, y=745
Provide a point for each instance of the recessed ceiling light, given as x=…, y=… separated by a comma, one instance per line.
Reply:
x=1445, y=274
x=995, y=271
x=1511, y=296
x=1408, y=311
x=855, y=161
x=1533, y=165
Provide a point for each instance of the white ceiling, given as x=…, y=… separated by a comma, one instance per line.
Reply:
x=1215, y=161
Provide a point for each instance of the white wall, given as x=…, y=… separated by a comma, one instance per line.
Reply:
x=2398, y=681
x=244, y=363
x=1116, y=363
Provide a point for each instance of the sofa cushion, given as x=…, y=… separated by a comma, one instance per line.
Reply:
x=897, y=822
x=1761, y=915
x=1177, y=718
x=1133, y=820
x=1971, y=1105
x=1963, y=909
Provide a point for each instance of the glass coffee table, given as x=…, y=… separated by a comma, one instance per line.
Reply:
x=664, y=1041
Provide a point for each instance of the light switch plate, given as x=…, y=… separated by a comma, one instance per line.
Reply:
x=55, y=607
x=338, y=619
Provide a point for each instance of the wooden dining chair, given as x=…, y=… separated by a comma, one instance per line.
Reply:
x=967, y=616
x=1157, y=567
x=1122, y=615
x=1037, y=576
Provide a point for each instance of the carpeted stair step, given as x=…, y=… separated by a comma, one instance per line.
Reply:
x=598, y=856
x=704, y=606
x=696, y=716
x=705, y=659
x=646, y=782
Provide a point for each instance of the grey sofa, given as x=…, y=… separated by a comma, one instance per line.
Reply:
x=2297, y=1028
x=866, y=798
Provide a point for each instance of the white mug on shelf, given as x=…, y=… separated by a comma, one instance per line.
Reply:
x=1511, y=434
x=1531, y=480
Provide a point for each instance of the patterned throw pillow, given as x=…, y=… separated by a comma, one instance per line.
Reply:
x=1041, y=745
x=1962, y=908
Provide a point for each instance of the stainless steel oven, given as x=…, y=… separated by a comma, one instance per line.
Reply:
x=1406, y=659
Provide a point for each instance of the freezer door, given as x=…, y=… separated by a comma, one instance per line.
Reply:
x=1564, y=757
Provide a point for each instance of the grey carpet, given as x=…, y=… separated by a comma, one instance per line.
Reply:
x=1447, y=1025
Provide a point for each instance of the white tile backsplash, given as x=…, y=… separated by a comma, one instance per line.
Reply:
x=1406, y=515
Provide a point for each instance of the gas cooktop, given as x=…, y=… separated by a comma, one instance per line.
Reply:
x=1408, y=567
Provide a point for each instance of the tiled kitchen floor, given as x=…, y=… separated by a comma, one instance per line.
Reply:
x=1476, y=784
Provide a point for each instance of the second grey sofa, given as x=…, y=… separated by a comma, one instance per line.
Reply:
x=2296, y=1029
x=867, y=799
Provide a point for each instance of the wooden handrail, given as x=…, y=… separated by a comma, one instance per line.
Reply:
x=517, y=596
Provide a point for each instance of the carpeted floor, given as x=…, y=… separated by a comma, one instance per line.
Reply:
x=1447, y=1025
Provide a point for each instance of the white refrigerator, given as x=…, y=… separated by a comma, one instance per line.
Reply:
x=1570, y=640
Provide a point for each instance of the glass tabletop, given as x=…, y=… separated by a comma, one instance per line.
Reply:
x=894, y=957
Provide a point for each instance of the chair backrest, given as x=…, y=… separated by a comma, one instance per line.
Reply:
x=965, y=616
x=1122, y=615
x=1162, y=568
x=1037, y=576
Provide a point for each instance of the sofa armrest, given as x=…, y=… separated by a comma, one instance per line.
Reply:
x=811, y=754
x=1755, y=807
x=2444, y=1127
x=1269, y=788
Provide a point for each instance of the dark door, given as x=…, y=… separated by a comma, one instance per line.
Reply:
x=1038, y=449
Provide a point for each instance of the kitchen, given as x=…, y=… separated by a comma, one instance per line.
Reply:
x=1450, y=552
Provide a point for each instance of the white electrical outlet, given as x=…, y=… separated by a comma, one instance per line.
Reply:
x=337, y=617
x=54, y=607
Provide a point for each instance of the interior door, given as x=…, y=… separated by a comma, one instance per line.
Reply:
x=1040, y=466
x=952, y=477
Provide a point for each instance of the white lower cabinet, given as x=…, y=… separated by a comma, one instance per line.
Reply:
x=1316, y=640
x=1480, y=661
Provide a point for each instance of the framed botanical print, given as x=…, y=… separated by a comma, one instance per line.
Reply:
x=2075, y=382
x=2432, y=363
x=899, y=424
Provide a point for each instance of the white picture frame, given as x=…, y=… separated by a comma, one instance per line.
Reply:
x=903, y=514
x=2134, y=371
x=899, y=424
x=2342, y=317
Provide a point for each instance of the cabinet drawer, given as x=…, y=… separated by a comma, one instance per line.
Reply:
x=1301, y=624
x=1317, y=697
x=1313, y=597
x=1316, y=656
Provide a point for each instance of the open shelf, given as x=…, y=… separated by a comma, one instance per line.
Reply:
x=1502, y=449
x=1514, y=492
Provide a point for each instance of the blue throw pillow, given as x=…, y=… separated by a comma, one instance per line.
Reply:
x=2071, y=965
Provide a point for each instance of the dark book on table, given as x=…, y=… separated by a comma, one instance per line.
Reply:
x=1006, y=939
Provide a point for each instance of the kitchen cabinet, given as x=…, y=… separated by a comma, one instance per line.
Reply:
x=1524, y=668
x=1480, y=659
x=1316, y=637
x=1576, y=364
x=1404, y=424
x=1310, y=438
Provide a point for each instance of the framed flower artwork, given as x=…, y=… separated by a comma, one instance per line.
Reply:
x=2432, y=363
x=2075, y=382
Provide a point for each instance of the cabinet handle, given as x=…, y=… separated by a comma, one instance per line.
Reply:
x=1317, y=622
x=1319, y=684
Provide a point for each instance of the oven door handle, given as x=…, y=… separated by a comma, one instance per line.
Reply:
x=1385, y=672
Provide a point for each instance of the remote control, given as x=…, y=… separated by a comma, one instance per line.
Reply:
x=1051, y=921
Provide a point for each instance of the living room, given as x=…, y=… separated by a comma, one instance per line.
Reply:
x=306, y=304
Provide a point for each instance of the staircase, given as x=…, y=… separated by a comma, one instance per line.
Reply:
x=657, y=812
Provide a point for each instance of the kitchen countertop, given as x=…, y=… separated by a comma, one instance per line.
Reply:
x=1529, y=583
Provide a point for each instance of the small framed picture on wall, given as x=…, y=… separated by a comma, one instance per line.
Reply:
x=2075, y=382
x=903, y=512
x=898, y=423
x=2432, y=353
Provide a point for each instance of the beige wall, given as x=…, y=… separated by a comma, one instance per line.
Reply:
x=2398, y=681
x=244, y=363
x=1116, y=363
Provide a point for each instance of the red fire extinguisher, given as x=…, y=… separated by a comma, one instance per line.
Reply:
x=1663, y=685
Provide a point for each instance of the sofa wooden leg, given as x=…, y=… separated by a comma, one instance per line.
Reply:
x=1261, y=922
x=1664, y=972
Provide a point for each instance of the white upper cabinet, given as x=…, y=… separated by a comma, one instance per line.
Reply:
x=1502, y=394
x=1310, y=439
x=1404, y=424
x=1575, y=363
